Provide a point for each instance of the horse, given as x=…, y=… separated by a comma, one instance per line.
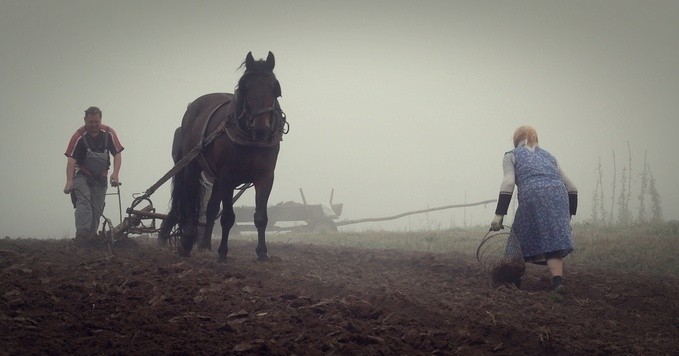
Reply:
x=245, y=152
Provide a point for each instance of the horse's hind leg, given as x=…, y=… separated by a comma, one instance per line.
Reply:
x=210, y=216
x=227, y=220
x=207, y=211
x=188, y=188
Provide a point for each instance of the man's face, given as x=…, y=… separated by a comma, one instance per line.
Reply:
x=92, y=123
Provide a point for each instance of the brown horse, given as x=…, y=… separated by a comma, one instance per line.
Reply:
x=246, y=152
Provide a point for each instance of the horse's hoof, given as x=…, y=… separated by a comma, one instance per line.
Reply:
x=182, y=252
x=221, y=259
x=262, y=258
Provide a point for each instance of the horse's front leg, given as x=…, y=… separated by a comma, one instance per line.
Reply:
x=227, y=220
x=262, y=191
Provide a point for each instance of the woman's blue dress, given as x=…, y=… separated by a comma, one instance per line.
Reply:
x=542, y=220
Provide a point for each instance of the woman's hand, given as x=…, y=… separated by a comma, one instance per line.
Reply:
x=496, y=224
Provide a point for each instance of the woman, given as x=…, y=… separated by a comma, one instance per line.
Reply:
x=547, y=200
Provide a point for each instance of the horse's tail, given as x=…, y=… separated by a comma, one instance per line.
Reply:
x=171, y=219
x=185, y=203
x=186, y=195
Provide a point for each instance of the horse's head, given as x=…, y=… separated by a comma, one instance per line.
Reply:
x=258, y=90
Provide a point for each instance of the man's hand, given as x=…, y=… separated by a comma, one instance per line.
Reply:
x=114, y=180
x=68, y=187
x=496, y=224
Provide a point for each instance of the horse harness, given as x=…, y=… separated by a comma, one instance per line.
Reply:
x=239, y=127
x=227, y=126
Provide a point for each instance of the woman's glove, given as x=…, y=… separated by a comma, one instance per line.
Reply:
x=496, y=224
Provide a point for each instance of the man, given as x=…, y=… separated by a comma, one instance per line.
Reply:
x=87, y=169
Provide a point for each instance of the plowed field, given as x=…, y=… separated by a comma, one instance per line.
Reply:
x=138, y=298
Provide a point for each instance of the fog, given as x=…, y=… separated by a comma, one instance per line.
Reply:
x=396, y=105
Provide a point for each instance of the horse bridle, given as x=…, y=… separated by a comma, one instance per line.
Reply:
x=250, y=117
x=247, y=118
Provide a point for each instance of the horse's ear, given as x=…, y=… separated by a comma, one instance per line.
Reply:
x=270, y=61
x=249, y=60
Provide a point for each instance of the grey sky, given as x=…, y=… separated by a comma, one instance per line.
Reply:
x=397, y=105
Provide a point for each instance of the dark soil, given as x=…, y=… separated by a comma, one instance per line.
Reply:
x=310, y=299
x=507, y=272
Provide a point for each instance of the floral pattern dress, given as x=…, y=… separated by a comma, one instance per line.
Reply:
x=542, y=220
